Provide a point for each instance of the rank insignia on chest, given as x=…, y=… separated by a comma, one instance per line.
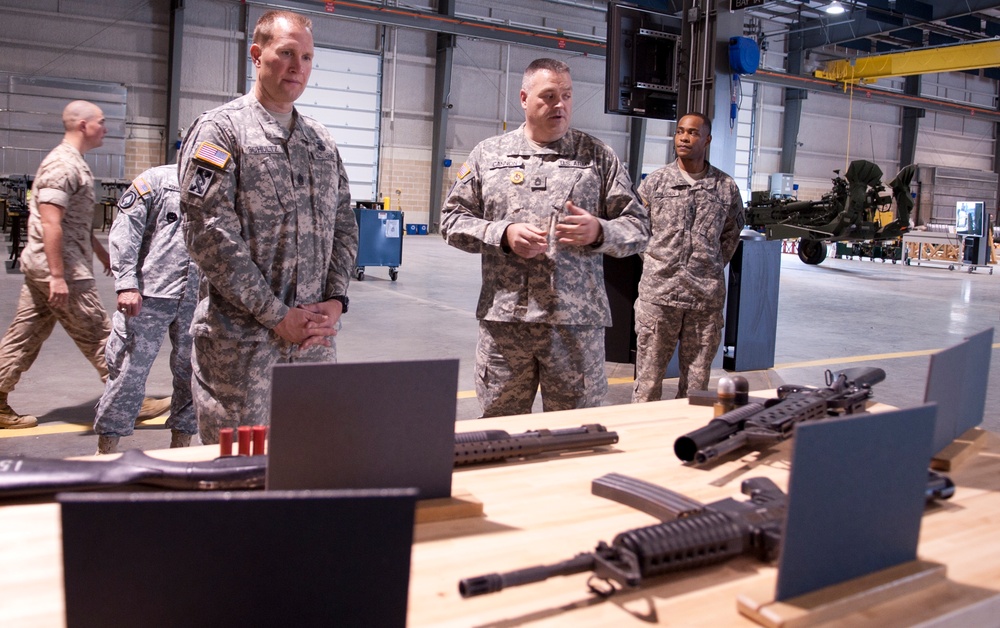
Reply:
x=517, y=177
x=212, y=154
x=538, y=183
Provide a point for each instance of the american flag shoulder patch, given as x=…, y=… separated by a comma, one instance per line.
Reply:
x=464, y=172
x=141, y=186
x=212, y=154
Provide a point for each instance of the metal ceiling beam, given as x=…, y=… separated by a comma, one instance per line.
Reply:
x=958, y=58
x=871, y=94
x=848, y=29
x=379, y=13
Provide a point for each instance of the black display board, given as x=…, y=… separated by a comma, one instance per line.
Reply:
x=296, y=558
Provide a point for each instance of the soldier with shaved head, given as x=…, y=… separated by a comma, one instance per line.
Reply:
x=58, y=260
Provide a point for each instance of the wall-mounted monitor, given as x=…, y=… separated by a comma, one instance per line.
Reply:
x=970, y=218
x=642, y=77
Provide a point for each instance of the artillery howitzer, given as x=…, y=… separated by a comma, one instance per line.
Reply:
x=845, y=214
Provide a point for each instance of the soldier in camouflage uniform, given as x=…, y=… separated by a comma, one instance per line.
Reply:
x=157, y=288
x=57, y=262
x=268, y=220
x=696, y=214
x=543, y=204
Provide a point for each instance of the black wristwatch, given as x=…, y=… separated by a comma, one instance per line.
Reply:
x=343, y=301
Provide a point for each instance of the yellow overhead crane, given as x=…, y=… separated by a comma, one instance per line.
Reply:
x=954, y=58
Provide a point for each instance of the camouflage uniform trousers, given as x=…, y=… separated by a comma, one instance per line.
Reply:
x=232, y=380
x=132, y=348
x=83, y=318
x=659, y=327
x=513, y=358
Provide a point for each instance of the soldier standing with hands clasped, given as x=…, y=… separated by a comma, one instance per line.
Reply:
x=542, y=205
x=267, y=216
x=696, y=214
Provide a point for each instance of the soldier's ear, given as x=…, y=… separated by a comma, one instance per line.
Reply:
x=255, y=51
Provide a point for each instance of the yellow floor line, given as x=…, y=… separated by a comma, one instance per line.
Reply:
x=65, y=428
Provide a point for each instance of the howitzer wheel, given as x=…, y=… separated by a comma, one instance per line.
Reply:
x=812, y=252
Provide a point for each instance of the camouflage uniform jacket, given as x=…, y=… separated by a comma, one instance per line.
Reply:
x=696, y=229
x=267, y=218
x=63, y=179
x=505, y=181
x=146, y=241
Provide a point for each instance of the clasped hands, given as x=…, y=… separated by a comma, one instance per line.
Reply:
x=579, y=228
x=311, y=324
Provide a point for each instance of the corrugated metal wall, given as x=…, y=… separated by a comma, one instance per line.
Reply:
x=125, y=41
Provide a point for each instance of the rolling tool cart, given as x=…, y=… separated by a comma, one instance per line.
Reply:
x=380, y=240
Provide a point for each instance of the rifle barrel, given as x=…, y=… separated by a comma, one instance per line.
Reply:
x=491, y=583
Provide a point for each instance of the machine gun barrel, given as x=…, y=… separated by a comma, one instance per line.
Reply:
x=496, y=445
x=759, y=425
x=717, y=430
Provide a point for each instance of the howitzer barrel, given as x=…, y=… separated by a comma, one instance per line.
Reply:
x=718, y=429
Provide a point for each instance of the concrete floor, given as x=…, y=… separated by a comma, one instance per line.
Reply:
x=840, y=314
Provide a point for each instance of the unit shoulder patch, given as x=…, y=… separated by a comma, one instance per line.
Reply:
x=201, y=180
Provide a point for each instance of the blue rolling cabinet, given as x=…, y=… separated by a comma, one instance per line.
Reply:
x=380, y=240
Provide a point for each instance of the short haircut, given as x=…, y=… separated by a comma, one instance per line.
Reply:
x=78, y=110
x=552, y=65
x=263, y=32
x=705, y=120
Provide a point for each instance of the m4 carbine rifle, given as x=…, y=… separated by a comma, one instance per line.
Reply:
x=22, y=476
x=762, y=425
x=702, y=535
x=692, y=535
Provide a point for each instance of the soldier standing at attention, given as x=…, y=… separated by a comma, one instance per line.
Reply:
x=268, y=220
x=696, y=214
x=542, y=205
x=58, y=260
x=157, y=288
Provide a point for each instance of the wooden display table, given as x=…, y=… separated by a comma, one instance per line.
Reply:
x=934, y=247
x=541, y=511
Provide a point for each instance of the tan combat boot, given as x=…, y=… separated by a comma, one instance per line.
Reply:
x=152, y=408
x=12, y=420
x=107, y=444
x=179, y=439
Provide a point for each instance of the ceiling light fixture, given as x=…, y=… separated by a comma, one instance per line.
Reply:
x=834, y=8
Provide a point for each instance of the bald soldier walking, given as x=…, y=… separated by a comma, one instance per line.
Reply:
x=58, y=260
